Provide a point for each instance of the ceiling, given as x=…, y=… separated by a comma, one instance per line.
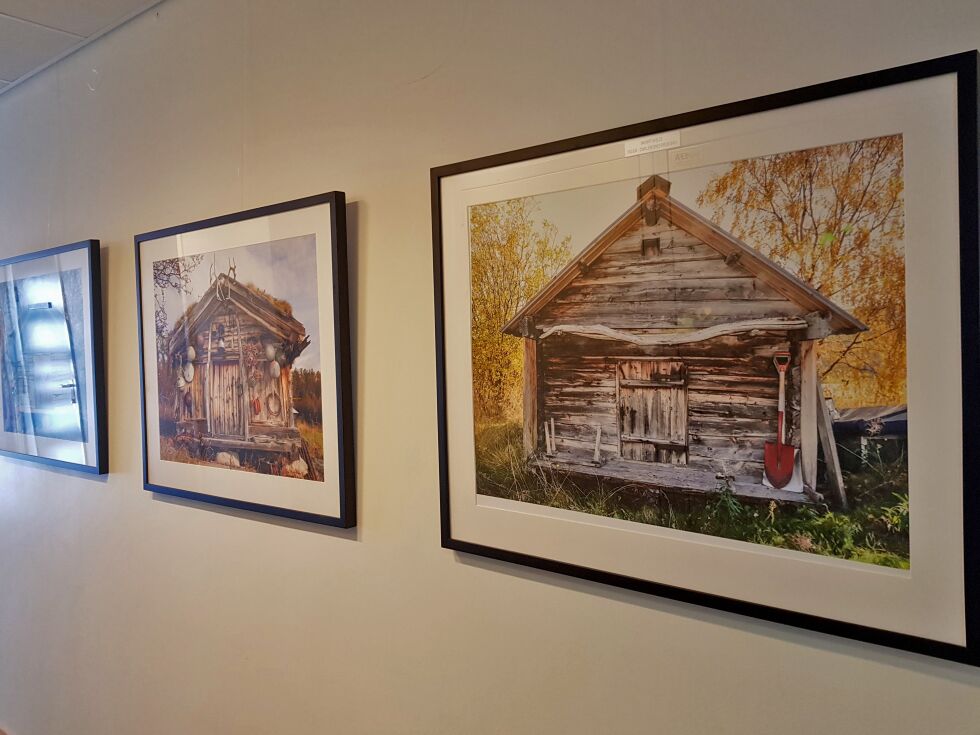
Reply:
x=34, y=34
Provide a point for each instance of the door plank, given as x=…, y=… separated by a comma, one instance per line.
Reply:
x=652, y=409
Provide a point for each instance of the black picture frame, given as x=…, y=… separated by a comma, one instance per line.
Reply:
x=96, y=361
x=346, y=488
x=965, y=68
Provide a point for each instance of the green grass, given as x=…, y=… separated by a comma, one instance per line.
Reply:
x=874, y=530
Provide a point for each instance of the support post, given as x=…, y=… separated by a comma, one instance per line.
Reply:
x=243, y=380
x=530, y=396
x=206, y=388
x=809, y=384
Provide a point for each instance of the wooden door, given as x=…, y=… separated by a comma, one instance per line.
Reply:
x=652, y=397
x=226, y=395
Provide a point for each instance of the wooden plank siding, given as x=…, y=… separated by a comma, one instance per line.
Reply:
x=196, y=389
x=258, y=384
x=226, y=399
x=683, y=285
x=731, y=398
x=261, y=390
x=686, y=285
x=672, y=478
x=652, y=413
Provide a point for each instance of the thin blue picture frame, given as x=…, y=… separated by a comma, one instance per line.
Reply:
x=96, y=361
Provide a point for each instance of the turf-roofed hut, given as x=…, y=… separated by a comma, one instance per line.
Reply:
x=233, y=353
x=649, y=358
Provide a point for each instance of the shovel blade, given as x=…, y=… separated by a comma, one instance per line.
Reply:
x=779, y=459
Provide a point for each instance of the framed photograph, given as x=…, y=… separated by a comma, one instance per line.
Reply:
x=727, y=357
x=245, y=361
x=52, y=369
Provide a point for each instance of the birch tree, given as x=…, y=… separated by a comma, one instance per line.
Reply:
x=511, y=257
x=833, y=215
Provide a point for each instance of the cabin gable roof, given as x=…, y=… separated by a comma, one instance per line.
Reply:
x=654, y=201
x=227, y=290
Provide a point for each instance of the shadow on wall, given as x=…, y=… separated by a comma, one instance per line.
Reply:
x=766, y=633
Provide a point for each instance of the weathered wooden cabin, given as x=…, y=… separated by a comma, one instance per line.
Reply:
x=232, y=354
x=649, y=357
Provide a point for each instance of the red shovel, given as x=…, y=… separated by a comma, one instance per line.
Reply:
x=780, y=457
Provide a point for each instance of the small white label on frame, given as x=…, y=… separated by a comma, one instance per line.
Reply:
x=658, y=142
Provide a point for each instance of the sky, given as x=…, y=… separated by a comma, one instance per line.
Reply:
x=585, y=212
x=284, y=268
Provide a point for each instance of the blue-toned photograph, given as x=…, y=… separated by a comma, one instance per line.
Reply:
x=42, y=356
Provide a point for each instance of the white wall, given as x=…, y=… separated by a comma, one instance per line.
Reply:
x=121, y=612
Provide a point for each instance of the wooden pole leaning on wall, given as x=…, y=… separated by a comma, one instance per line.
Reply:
x=825, y=429
x=596, y=455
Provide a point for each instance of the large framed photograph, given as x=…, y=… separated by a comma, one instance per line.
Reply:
x=245, y=361
x=726, y=357
x=52, y=366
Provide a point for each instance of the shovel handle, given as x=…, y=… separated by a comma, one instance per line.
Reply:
x=781, y=361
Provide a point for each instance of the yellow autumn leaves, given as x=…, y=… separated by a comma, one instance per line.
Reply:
x=834, y=216
x=511, y=257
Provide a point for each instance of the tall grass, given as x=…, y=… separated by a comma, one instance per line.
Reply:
x=874, y=530
x=312, y=434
